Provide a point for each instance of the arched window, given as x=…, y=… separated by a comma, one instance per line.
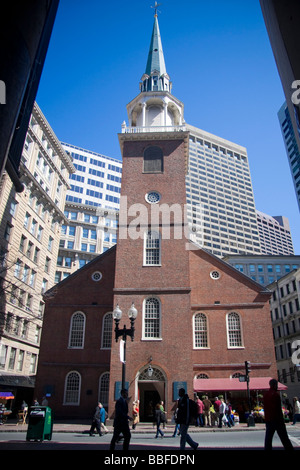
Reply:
x=200, y=331
x=77, y=329
x=104, y=389
x=156, y=375
x=234, y=330
x=153, y=160
x=202, y=376
x=151, y=317
x=106, y=331
x=152, y=248
x=72, y=388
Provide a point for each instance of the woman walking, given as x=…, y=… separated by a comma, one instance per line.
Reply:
x=135, y=413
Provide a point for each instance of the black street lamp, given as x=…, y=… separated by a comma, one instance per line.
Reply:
x=117, y=315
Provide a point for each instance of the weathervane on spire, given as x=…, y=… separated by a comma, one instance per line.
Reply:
x=155, y=8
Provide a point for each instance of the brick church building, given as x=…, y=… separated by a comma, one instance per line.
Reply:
x=198, y=319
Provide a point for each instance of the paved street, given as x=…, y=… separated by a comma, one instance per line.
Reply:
x=76, y=437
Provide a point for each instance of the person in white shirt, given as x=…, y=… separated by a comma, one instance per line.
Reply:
x=222, y=409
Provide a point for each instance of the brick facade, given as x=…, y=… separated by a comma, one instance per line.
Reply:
x=184, y=285
x=77, y=293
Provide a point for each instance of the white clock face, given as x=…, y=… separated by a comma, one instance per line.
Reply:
x=153, y=197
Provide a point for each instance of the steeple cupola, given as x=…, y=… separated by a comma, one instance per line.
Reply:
x=155, y=77
x=155, y=109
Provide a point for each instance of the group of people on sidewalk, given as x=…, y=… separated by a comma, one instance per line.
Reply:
x=218, y=413
x=274, y=419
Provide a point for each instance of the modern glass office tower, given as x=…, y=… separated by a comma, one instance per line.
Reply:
x=264, y=269
x=91, y=208
x=291, y=146
x=275, y=235
x=221, y=207
x=97, y=181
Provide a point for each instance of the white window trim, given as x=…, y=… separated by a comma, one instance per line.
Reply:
x=105, y=318
x=70, y=331
x=241, y=332
x=77, y=403
x=101, y=391
x=144, y=251
x=158, y=338
x=194, y=332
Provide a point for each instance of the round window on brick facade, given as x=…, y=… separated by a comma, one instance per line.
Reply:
x=97, y=276
x=153, y=197
x=215, y=275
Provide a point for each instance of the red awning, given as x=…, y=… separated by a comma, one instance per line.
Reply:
x=231, y=385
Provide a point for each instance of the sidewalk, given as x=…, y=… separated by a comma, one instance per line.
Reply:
x=83, y=427
x=144, y=428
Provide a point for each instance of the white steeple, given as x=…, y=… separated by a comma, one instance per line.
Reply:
x=155, y=109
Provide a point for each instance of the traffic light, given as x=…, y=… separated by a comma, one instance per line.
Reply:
x=247, y=367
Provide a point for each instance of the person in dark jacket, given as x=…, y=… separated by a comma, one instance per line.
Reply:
x=96, y=421
x=183, y=418
x=274, y=418
x=159, y=418
x=121, y=425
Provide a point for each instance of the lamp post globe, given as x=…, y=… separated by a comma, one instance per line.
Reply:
x=117, y=313
x=132, y=312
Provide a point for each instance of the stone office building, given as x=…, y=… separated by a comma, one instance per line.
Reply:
x=30, y=224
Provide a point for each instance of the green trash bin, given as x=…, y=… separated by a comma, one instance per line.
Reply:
x=40, y=424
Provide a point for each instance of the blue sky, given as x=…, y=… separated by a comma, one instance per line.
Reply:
x=220, y=61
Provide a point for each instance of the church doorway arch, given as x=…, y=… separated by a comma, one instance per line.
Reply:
x=151, y=390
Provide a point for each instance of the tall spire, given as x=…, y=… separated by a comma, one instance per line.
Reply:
x=155, y=77
x=154, y=109
x=156, y=61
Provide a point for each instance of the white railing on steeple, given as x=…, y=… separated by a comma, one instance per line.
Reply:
x=139, y=130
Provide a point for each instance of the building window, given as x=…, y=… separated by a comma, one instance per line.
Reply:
x=72, y=388
x=151, y=318
x=18, y=268
x=20, y=361
x=7, y=233
x=33, y=363
x=3, y=355
x=77, y=328
x=152, y=248
x=104, y=389
x=202, y=376
x=234, y=332
x=200, y=331
x=106, y=331
x=50, y=243
x=153, y=160
x=12, y=358
x=13, y=208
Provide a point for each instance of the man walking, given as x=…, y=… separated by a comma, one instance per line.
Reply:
x=96, y=421
x=183, y=418
x=121, y=425
x=274, y=418
x=207, y=404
